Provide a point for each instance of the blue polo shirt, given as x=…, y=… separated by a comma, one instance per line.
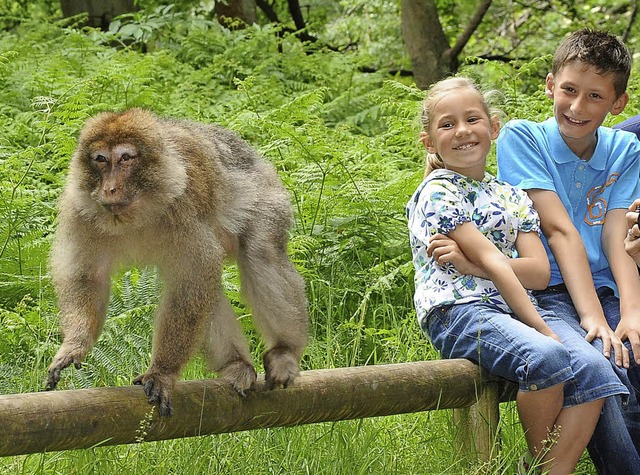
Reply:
x=534, y=155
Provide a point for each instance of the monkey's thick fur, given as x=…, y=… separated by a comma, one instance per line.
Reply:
x=182, y=196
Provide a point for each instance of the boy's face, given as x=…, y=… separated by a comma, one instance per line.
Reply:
x=582, y=98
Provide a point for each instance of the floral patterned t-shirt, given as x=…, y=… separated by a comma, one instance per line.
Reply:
x=445, y=199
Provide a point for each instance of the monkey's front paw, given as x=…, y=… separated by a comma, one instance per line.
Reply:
x=64, y=358
x=241, y=375
x=158, y=388
x=280, y=367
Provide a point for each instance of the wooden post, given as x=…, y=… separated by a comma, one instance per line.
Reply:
x=477, y=425
x=74, y=419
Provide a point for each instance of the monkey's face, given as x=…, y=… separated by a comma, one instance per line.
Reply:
x=114, y=175
x=125, y=170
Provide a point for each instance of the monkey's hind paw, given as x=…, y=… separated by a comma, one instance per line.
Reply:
x=280, y=367
x=241, y=375
x=53, y=377
x=158, y=390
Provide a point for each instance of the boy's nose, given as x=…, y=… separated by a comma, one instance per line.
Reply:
x=577, y=105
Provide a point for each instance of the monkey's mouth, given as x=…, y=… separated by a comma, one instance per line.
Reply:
x=117, y=209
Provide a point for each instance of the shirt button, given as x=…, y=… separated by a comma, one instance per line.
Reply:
x=533, y=387
x=578, y=185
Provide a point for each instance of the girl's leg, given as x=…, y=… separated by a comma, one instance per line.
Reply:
x=575, y=426
x=539, y=412
x=556, y=436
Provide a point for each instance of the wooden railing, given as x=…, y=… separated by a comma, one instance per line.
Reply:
x=76, y=419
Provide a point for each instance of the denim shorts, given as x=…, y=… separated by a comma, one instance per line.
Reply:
x=506, y=347
x=559, y=302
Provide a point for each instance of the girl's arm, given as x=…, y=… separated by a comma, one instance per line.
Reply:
x=625, y=273
x=484, y=254
x=567, y=247
x=531, y=266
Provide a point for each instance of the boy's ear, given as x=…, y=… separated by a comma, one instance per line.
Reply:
x=620, y=103
x=548, y=86
x=495, y=127
x=426, y=141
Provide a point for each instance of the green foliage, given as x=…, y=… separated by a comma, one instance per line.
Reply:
x=345, y=144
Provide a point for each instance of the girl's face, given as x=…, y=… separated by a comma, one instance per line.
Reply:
x=461, y=132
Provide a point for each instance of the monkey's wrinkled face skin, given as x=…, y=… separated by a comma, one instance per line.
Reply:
x=113, y=170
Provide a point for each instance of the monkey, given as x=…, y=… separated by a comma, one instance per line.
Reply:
x=184, y=197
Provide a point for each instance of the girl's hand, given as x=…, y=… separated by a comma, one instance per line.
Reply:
x=445, y=250
x=546, y=331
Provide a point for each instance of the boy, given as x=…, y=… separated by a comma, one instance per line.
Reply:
x=582, y=178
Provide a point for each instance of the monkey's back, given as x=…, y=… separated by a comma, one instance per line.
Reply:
x=226, y=172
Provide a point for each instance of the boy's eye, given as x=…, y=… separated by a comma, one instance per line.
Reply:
x=473, y=120
x=596, y=96
x=446, y=125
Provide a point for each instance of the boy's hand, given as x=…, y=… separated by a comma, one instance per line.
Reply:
x=629, y=329
x=444, y=250
x=598, y=328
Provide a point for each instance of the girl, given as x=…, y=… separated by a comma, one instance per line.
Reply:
x=465, y=227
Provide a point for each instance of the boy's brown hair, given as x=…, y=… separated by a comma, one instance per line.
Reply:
x=599, y=49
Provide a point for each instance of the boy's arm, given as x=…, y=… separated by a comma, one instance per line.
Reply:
x=531, y=266
x=488, y=257
x=571, y=256
x=625, y=274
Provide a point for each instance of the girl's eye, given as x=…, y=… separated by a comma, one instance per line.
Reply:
x=473, y=120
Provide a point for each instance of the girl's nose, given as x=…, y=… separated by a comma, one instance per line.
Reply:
x=462, y=130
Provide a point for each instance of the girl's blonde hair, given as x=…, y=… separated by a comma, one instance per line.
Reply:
x=437, y=92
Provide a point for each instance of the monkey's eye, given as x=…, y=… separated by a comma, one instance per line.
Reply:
x=100, y=158
x=125, y=157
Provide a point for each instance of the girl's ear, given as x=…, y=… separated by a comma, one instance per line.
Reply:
x=495, y=127
x=426, y=141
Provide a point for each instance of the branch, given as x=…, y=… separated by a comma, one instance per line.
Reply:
x=268, y=10
x=298, y=20
x=632, y=20
x=452, y=53
x=296, y=15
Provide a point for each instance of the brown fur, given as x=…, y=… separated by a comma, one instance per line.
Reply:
x=181, y=196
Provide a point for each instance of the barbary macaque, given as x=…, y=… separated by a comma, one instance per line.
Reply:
x=181, y=196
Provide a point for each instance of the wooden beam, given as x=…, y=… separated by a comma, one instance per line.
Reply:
x=75, y=419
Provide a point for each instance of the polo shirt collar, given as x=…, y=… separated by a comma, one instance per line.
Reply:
x=561, y=153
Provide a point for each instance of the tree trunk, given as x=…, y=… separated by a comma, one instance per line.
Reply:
x=425, y=40
x=101, y=12
x=243, y=10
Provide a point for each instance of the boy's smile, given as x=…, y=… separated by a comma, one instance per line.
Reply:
x=582, y=98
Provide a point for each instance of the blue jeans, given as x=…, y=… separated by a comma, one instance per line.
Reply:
x=616, y=440
x=508, y=348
